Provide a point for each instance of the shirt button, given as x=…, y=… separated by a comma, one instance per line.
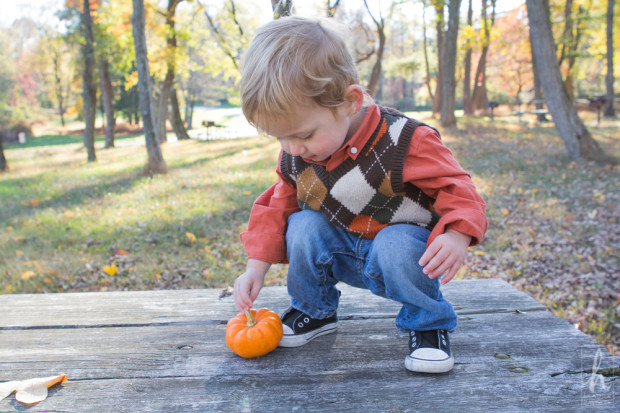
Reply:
x=353, y=150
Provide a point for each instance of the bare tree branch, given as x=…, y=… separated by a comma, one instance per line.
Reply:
x=221, y=40
x=332, y=8
x=233, y=13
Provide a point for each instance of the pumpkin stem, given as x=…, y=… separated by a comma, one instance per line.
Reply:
x=250, y=318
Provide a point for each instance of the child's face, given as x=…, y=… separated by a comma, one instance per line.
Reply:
x=313, y=132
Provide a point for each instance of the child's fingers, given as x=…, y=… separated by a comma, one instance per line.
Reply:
x=444, y=266
x=450, y=274
x=429, y=253
x=254, y=290
x=435, y=263
x=242, y=298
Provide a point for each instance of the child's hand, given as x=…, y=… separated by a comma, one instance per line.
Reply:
x=248, y=285
x=445, y=255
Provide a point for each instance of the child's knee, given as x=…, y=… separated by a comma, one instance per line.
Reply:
x=305, y=226
x=403, y=241
x=305, y=220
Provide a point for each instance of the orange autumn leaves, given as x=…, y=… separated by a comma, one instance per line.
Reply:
x=112, y=269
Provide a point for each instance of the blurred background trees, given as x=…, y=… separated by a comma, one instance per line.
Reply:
x=194, y=48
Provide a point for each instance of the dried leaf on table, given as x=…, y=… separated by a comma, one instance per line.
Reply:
x=30, y=391
x=226, y=292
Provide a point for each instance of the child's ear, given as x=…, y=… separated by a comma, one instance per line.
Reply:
x=355, y=95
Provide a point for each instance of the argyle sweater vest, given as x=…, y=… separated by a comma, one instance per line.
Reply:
x=367, y=194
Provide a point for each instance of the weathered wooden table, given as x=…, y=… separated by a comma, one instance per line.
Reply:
x=164, y=351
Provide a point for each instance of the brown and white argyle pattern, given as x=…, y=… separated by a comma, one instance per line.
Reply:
x=367, y=194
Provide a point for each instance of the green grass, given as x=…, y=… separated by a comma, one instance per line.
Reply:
x=553, y=225
x=63, y=219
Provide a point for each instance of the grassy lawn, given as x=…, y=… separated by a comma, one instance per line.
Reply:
x=72, y=226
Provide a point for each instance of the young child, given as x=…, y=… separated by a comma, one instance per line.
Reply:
x=364, y=195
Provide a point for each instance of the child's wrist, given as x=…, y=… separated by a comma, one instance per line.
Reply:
x=258, y=266
x=464, y=238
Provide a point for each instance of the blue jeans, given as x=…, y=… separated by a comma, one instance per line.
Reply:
x=321, y=254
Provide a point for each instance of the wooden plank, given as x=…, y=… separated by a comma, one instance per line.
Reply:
x=345, y=391
x=505, y=360
x=505, y=346
x=182, y=306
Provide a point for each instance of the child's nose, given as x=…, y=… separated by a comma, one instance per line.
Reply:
x=296, y=149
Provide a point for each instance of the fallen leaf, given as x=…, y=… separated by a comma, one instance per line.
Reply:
x=26, y=275
x=505, y=211
x=30, y=391
x=191, y=237
x=110, y=269
x=121, y=252
x=226, y=292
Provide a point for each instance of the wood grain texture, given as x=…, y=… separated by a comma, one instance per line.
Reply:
x=182, y=306
x=506, y=361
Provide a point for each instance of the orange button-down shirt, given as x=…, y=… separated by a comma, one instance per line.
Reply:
x=429, y=165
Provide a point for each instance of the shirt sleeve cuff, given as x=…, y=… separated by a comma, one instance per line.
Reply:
x=462, y=221
x=266, y=247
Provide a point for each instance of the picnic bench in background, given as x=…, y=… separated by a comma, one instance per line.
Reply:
x=539, y=110
x=211, y=126
x=164, y=351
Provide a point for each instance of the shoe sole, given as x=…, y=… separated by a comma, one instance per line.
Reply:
x=429, y=366
x=296, y=340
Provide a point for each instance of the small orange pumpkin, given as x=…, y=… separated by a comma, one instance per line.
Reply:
x=254, y=333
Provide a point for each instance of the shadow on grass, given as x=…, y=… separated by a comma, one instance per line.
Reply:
x=207, y=159
x=75, y=196
x=117, y=183
x=56, y=140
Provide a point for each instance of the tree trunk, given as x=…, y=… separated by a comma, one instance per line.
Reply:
x=426, y=64
x=579, y=143
x=538, y=94
x=156, y=163
x=3, y=163
x=58, y=88
x=479, y=96
x=373, y=82
x=467, y=69
x=440, y=54
x=108, y=102
x=175, y=116
x=282, y=8
x=162, y=107
x=448, y=86
x=610, y=111
x=572, y=37
x=190, y=102
x=88, y=84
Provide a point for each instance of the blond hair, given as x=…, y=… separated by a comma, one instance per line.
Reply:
x=291, y=60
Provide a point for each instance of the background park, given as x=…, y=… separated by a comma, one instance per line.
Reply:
x=125, y=162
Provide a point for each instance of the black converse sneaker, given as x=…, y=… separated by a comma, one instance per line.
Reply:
x=299, y=328
x=429, y=352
